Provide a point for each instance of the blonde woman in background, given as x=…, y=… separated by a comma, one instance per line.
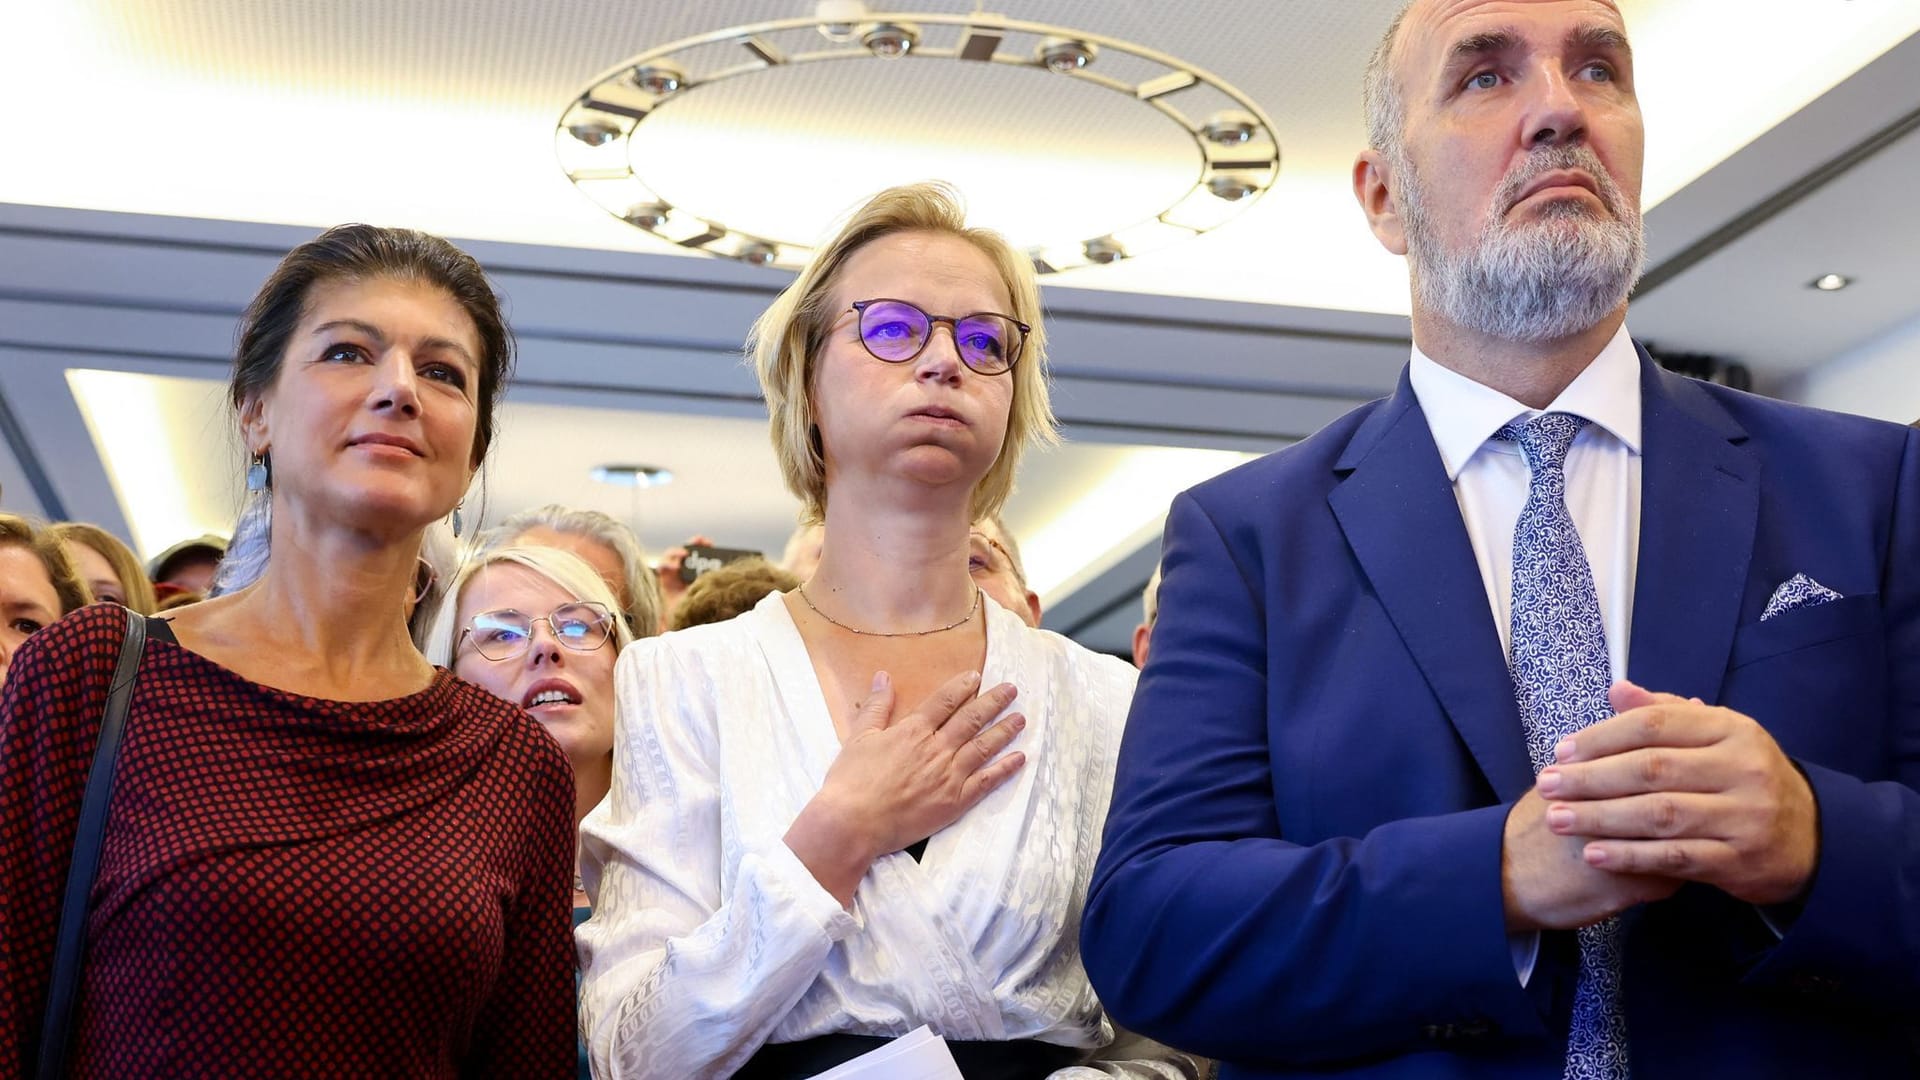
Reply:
x=111, y=569
x=539, y=627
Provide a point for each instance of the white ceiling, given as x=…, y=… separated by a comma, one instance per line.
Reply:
x=440, y=114
x=158, y=152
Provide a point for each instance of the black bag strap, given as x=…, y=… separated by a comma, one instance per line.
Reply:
x=63, y=991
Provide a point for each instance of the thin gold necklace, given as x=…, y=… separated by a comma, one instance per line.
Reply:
x=962, y=620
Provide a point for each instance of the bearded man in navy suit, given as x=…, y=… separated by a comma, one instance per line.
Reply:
x=1556, y=715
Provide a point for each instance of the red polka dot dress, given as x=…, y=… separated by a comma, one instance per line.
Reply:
x=289, y=887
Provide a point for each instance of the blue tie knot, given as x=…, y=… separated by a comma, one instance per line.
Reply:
x=1545, y=439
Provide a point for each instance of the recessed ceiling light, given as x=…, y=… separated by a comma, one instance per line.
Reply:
x=634, y=476
x=1832, y=282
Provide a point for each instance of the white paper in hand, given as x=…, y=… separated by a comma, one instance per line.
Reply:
x=917, y=1055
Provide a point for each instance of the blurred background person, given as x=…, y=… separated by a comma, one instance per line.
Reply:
x=765, y=779
x=291, y=753
x=801, y=557
x=719, y=595
x=1150, y=613
x=994, y=560
x=187, y=567
x=110, y=568
x=666, y=575
x=604, y=543
x=38, y=585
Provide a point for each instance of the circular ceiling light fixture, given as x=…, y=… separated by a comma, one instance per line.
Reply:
x=1831, y=282
x=1236, y=155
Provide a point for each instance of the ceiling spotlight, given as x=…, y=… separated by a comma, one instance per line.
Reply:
x=594, y=132
x=1831, y=282
x=658, y=79
x=757, y=254
x=635, y=476
x=648, y=216
x=840, y=19
x=1104, y=250
x=1064, y=56
x=1230, y=188
x=1229, y=129
x=890, y=39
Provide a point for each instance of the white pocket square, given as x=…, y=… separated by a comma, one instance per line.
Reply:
x=1798, y=591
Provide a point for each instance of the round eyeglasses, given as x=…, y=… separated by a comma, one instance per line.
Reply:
x=504, y=634
x=897, y=331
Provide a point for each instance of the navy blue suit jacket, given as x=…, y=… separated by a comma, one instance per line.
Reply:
x=1301, y=872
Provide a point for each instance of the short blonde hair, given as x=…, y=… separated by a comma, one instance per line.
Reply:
x=126, y=565
x=786, y=341
x=563, y=568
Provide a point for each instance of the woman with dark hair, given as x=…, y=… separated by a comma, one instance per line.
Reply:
x=323, y=856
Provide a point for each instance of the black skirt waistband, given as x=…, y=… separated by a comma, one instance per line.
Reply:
x=1020, y=1059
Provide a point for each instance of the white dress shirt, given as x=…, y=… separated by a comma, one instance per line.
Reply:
x=1490, y=480
x=1490, y=477
x=709, y=937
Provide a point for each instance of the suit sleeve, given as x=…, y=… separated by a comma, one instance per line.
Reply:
x=1858, y=932
x=1207, y=929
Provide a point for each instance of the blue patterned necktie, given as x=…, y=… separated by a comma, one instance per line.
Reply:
x=1560, y=676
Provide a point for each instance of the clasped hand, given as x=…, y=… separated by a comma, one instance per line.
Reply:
x=1668, y=790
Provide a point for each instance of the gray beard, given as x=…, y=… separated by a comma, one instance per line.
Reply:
x=1534, y=281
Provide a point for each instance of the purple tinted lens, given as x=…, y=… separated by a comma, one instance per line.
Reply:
x=986, y=341
x=892, y=330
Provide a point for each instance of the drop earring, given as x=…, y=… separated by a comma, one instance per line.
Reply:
x=456, y=518
x=259, y=473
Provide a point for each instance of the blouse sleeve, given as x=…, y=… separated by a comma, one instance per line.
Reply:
x=49, y=724
x=527, y=1028
x=679, y=982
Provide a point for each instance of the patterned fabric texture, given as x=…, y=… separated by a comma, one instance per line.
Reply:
x=289, y=887
x=1798, y=591
x=710, y=938
x=1560, y=678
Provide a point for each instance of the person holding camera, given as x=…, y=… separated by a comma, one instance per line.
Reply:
x=829, y=826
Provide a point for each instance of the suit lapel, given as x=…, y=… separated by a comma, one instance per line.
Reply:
x=1398, y=511
x=1699, y=504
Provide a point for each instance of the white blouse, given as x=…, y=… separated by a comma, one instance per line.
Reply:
x=709, y=937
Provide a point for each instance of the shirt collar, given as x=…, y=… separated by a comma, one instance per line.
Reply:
x=1464, y=414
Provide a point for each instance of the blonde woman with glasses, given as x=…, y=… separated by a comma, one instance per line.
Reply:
x=540, y=628
x=834, y=818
